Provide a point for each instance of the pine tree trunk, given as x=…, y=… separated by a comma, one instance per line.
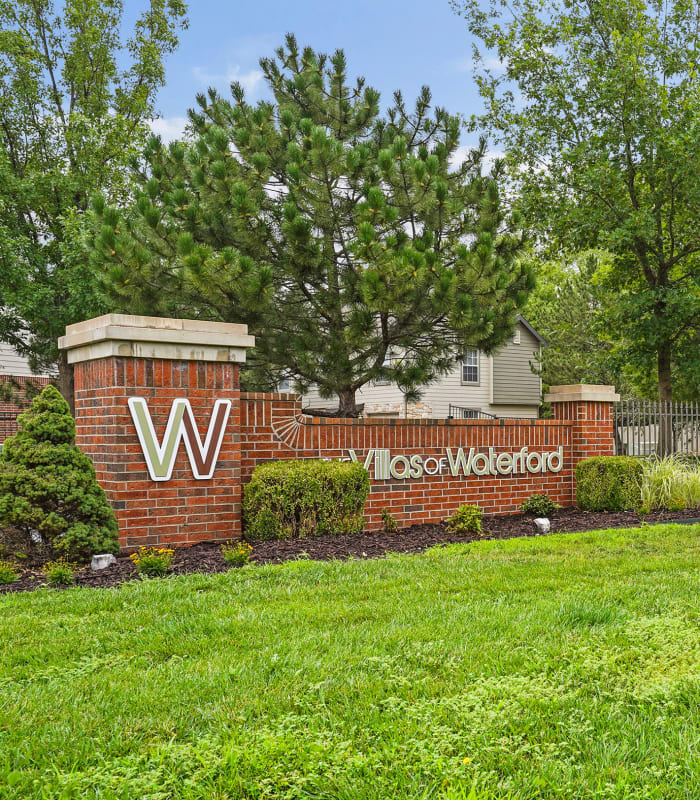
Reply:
x=665, y=443
x=346, y=400
x=66, y=384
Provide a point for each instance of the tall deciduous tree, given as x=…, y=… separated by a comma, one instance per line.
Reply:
x=598, y=104
x=74, y=104
x=340, y=235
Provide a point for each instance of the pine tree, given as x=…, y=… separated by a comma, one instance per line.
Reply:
x=47, y=485
x=341, y=236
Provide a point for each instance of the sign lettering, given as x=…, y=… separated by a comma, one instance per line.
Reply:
x=160, y=457
x=460, y=462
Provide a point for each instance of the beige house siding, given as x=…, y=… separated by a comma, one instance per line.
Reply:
x=528, y=412
x=506, y=387
x=449, y=390
x=379, y=394
x=514, y=383
x=13, y=364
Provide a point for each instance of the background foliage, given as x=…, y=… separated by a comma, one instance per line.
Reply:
x=598, y=105
x=75, y=100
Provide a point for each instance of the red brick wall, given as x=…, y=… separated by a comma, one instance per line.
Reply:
x=182, y=510
x=592, y=427
x=9, y=411
x=262, y=427
x=272, y=427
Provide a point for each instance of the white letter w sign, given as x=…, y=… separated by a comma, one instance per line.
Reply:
x=181, y=425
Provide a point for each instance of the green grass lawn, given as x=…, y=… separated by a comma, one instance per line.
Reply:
x=558, y=667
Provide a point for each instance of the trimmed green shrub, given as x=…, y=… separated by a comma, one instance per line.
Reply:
x=296, y=499
x=541, y=505
x=47, y=485
x=609, y=483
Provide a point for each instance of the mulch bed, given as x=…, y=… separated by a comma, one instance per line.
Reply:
x=207, y=558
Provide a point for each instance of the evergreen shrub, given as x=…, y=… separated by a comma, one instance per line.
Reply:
x=609, y=483
x=300, y=498
x=48, y=486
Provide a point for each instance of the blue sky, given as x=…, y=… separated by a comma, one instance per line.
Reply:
x=393, y=44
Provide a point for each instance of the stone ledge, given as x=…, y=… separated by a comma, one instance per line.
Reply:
x=159, y=323
x=582, y=392
x=123, y=335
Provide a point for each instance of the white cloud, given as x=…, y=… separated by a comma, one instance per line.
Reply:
x=169, y=128
x=462, y=153
x=459, y=155
x=491, y=63
x=250, y=81
x=495, y=64
x=490, y=157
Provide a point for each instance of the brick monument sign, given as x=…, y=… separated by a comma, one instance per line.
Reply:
x=181, y=377
x=159, y=411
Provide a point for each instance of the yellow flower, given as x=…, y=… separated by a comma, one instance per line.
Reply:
x=467, y=760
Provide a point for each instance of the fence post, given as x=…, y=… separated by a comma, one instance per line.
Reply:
x=590, y=408
x=157, y=407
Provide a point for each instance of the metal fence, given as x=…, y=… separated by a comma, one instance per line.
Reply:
x=648, y=427
x=8, y=425
x=461, y=412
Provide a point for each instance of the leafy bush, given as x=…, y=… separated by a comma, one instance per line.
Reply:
x=609, y=483
x=295, y=499
x=670, y=483
x=541, y=505
x=466, y=519
x=47, y=485
x=389, y=522
x=152, y=561
x=8, y=572
x=59, y=573
x=236, y=553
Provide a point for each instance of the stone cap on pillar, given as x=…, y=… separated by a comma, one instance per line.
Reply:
x=584, y=392
x=125, y=335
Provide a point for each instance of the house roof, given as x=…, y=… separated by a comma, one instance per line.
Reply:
x=529, y=327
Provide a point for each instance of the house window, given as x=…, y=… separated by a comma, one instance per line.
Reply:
x=470, y=366
x=284, y=385
x=389, y=360
x=516, y=336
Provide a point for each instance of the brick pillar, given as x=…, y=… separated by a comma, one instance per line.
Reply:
x=134, y=377
x=590, y=408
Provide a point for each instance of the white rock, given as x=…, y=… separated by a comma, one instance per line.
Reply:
x=35, y=536
x=103, y=561
x=542, y=524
